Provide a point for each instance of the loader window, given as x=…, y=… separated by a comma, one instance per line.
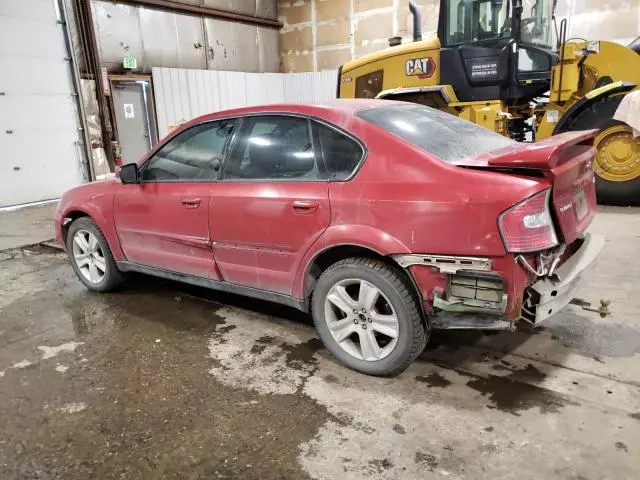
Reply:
x=369, y=85
x=476, y=20
x=444, y=136
x=537, y=23
x=468, y=21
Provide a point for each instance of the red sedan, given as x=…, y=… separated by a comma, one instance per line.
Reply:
x=383, y=219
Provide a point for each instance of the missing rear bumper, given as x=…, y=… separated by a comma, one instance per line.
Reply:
x=548, y=296
x=474, y=301
x=473, y=292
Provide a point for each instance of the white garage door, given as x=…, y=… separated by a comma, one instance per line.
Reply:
x=40, y=156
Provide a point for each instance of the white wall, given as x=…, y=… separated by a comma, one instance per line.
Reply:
x=182, y=94
x=41, y=150
x=614, y=20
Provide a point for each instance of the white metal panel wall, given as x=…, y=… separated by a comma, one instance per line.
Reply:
x=39, y=154
x=181, y=94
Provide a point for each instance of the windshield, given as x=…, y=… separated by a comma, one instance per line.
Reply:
x=476, y=20
x=445, y=136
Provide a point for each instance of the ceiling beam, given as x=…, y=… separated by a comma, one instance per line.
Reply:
x=208, y=12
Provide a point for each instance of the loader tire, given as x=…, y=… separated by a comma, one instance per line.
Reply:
x=617, y=163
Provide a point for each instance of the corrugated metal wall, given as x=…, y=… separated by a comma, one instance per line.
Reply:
x=182, y=94
x=158, y=38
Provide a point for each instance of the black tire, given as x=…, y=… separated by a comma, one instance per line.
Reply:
x=112, y=278
x=599, y=115
x=400, y=293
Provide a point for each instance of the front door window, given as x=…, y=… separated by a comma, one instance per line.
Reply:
x=194, y=155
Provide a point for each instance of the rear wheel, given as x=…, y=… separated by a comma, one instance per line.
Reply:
x=368, y=317
x=617, y=163
x=91, y=257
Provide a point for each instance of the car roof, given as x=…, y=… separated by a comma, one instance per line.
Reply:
x=323, y=109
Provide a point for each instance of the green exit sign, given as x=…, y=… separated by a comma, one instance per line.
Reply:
x=129, y=62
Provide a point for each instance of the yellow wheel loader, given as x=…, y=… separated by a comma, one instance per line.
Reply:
x=495, y=63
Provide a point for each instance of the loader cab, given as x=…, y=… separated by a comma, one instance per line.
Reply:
x=496, y=49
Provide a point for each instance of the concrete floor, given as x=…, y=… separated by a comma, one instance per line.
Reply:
x=27, y=226
x=163, y=380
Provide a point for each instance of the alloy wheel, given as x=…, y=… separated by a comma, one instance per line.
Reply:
x=361, y=319
x=89, y=257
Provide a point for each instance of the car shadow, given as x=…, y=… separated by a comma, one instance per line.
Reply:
x=451, y=349
x=149, y=284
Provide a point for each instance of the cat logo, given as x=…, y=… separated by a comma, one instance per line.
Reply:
x=420, y=67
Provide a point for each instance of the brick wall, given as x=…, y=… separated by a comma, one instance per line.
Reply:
x=324, y=34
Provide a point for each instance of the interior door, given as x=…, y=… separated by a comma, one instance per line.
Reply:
x=163, y=221
x=133, y=114
x=270, y=205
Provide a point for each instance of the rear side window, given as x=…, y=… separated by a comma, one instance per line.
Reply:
x=443, y=135
x=272, y=147
x=341, y=154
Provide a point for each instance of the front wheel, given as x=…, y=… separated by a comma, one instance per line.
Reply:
x=91, y=257
x=368, y=317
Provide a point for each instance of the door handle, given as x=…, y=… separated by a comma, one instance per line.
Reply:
x=191, y=202
x=304, y=206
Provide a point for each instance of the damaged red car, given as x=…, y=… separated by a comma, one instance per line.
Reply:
x=384, y=220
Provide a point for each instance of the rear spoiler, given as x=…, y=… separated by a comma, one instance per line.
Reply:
x=543, y=155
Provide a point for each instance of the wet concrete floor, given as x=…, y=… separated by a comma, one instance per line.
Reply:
x=162, y=380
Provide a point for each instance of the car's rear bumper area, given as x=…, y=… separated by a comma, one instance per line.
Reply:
x=548, y=296
x=495, y=293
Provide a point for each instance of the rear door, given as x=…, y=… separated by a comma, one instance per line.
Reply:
x=270, y=205
x=163, y=221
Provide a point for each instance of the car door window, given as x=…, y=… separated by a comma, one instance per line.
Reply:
x=341, y=154
x=194, y=155
x=272, y=147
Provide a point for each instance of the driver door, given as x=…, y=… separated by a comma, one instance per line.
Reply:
x=163, y=221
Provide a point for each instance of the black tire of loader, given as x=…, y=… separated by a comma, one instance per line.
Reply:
x=599, y=115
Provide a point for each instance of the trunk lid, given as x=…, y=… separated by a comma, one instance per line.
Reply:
x=565, y=160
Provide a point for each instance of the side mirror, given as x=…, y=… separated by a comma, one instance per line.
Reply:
x=129, y=173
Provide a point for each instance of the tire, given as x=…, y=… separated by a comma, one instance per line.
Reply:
x=395, y=297
x=599, y=115
x=100, y=256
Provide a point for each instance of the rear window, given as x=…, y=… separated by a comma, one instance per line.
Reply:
x=443, y=135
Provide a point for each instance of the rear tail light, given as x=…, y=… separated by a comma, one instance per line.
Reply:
x=527, y=226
